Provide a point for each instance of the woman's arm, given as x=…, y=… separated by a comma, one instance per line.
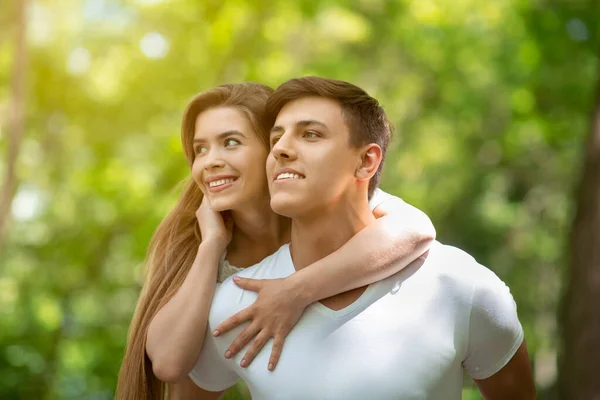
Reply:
x=176, y=333
x=187, y=390
x=399, y=236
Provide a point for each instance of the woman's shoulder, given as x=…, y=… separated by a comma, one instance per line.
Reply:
x=277, y=265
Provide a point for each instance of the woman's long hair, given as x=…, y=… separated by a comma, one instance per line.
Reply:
x=174, y=245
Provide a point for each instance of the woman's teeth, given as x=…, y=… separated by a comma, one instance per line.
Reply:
x=220, y=182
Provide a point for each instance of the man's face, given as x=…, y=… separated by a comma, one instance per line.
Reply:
x=311, y=165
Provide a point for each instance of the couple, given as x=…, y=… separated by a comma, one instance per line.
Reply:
x=380, y=331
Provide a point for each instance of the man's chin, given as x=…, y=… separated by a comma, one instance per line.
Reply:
x=283, y=205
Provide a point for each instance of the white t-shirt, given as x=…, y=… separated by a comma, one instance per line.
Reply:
x=407, y=337
x=226, y=269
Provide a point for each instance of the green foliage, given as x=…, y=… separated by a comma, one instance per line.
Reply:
x=490, y=101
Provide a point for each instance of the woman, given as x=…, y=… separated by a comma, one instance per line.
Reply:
x=225, y=138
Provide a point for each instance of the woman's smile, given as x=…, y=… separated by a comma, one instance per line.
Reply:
x=219, y=183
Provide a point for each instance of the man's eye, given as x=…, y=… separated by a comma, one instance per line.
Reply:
x=274, y=140
x=311, y=134
x=231, y=142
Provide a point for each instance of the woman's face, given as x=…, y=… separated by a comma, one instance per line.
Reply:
x=229, y=163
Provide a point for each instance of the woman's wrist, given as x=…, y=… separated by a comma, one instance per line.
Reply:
x=213, y=244
x=300, y=290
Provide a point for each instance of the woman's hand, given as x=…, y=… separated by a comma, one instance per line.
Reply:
x=217, y=226
x=273, y=315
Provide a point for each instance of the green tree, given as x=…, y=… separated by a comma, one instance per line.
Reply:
x=581, y=314
x=490, y=101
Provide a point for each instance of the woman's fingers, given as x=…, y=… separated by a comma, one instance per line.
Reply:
x=248, y=283
x=273, y=314
x=233, y=321
x=276, y=352
x=242, y=340
x=257, y=344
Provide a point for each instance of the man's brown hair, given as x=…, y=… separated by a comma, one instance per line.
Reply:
x=365, y=118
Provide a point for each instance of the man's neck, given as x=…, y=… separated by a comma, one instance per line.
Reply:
x=324, y=231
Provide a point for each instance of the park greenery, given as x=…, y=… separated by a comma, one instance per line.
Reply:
x=492, y=103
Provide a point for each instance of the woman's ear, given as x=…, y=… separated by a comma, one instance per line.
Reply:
x=370, y=158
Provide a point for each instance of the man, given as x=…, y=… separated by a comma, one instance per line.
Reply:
x=407, y=337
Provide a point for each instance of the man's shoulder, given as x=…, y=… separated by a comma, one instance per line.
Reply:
x=452, y=260
x=455, y=265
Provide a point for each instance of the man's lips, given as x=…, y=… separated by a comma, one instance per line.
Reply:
x=286, y=174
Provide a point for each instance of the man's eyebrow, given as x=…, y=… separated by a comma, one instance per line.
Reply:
x=277, y=129
x=308, y=122
x=303, y=123
x=223, y=135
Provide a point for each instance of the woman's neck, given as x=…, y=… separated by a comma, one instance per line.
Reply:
x=258, y=232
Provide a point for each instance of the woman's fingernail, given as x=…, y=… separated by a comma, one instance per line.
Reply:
x=216, y=333
x=228, y=354
x=270, y=366
x=236, y=278
x=244, y=363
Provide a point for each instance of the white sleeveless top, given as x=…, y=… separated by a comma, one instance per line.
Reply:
x=226, y=269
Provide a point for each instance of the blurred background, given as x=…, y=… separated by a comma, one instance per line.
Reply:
x=494, y=108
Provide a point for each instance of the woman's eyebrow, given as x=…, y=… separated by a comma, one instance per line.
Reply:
x=222, y=135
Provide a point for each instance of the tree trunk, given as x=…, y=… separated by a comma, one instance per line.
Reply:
x=15, y=119
x=579, y=377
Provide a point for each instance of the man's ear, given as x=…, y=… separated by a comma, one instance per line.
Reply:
x=370, y=158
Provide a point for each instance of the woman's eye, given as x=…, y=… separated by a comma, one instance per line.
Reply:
x=200, y=150
x=231, y=142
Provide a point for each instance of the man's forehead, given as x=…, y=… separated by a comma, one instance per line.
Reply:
x=323, y=109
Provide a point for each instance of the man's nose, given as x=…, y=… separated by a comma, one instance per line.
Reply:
x=284, y=148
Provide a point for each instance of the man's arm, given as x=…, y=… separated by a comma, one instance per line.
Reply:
x=496, y=356
x=187, y=390
x=514, y=381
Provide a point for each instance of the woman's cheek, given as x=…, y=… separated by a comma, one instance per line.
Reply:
x=197, y=176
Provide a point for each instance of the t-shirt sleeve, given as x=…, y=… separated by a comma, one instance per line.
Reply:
x=210, y=372
x=379, y=196
x=495, y=332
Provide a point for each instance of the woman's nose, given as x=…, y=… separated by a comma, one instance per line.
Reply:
x=213, y=160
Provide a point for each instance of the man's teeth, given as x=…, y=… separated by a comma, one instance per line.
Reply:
x=220, y=182
x=288, y=175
